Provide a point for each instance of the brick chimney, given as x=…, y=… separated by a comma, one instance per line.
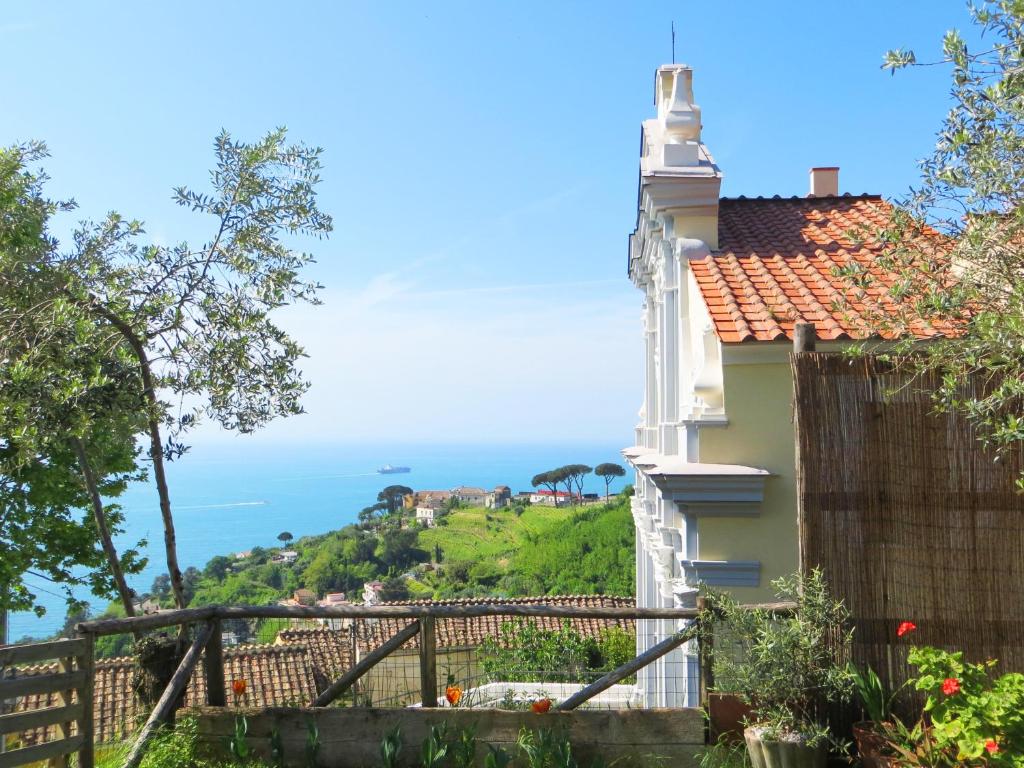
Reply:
x=824, y=182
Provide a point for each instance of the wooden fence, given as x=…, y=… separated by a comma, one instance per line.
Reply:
x=907, y=514
x=72, y=717
x=203, y=625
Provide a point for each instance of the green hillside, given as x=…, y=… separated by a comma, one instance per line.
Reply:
x=474, y=552
x=543, y=550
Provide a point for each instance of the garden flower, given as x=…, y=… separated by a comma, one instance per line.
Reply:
x=238, y=686
x=950, y=686
x=905, y=627
x=454, y=695
x=540, y=706
x=992, y=746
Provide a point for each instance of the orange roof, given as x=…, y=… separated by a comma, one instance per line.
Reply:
x=776, y=265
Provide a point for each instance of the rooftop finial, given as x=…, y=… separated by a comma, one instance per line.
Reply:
x=673, y=42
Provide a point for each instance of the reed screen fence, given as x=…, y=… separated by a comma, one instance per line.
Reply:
x=908, y=514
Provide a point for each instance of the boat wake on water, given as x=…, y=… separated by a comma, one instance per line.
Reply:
x=225, y=506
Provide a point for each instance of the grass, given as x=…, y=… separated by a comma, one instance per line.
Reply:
x=477, y=534
x=585, y=549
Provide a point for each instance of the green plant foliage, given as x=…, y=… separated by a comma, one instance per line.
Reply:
x=463, y=749
x=523, y=652
x=174, y=747
x=788, y=663
x=545, y=748
x=391, y=748
x=312, y=746
x=238, y=744
x=496, y=757
x=972, y=191
x=724, y=753
x=592, y=552
x=434, y=752
x=970, y=718
x=876, y=701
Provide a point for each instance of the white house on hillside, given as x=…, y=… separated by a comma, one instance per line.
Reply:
x=724, y=282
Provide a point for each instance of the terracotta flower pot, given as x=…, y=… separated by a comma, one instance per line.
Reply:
x=790, y=752
x=726, y=713
x=871, y=746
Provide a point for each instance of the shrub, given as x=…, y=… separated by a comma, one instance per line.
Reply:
x=790, y=664
x=970, y=717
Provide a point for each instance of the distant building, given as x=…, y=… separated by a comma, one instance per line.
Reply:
x=413, y=500
x=333, y=600
x=499, y=498
x=466, y=494
x=147, y=606
x=371, y=592
x=243, y=555
x=427, y=512
x=287, y=557
x=547, y=497
x=304, y=597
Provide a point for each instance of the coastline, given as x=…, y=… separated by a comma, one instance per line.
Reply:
x=229, y=498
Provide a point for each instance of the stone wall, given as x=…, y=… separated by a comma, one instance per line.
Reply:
x=350, y=737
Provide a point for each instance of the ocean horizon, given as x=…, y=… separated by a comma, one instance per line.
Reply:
x=229, y=497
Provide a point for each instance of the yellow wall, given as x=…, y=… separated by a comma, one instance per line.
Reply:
x=758, y=406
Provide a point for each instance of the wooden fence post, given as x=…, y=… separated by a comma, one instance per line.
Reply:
x=65, y=698
x=216, y=696
x=804, y=335
x=86, y=727
x=705, y=661
x=428, y=663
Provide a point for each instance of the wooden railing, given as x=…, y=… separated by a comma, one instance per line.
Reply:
x=206, y=622
x=72, y=717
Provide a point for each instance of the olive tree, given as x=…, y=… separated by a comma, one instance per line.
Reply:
x=955, y=245
x=67, y=411
x=197, y=318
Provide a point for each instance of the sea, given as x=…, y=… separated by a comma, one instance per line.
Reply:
x=229, y=497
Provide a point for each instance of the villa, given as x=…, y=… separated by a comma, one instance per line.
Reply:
x=724, y=283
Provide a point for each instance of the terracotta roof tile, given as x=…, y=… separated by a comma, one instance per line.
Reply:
x=463, y=632
x=300, y=664
x=330, y=651
x=776, y=265
x=275, y=675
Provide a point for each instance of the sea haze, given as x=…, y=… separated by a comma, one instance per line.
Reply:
x=231, y=498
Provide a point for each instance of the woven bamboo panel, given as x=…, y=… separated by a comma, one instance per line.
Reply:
x=909, y=516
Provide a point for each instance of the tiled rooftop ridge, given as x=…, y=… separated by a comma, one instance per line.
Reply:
x=776, y=265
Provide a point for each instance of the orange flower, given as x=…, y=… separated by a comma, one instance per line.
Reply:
x=238, y=686
x=454, y=695
x=905, y=627
x=992, y=746
x=540, y=706
x=950, y=686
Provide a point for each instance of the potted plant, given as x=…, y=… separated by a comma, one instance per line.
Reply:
x=870, y=734
x=787, y=667
x=971, y=717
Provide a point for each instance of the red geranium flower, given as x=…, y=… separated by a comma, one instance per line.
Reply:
x=238, y=686
x=950, y=686
x=905, y=627
x=991, y=746
x=540, y=706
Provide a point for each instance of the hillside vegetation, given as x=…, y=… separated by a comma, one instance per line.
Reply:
x=474, y=552
x=585, y=550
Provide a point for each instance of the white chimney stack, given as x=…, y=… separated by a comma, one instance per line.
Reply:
x=824, y=182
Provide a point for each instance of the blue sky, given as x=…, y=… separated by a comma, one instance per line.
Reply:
x=481, y=163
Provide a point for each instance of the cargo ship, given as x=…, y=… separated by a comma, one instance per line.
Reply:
x=387, y=469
